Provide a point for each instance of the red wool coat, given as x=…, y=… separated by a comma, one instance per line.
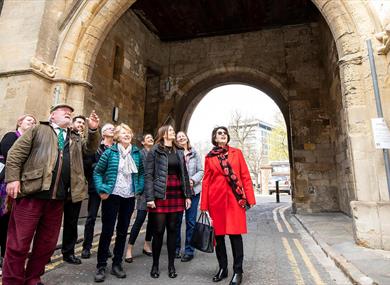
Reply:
x=217, y=196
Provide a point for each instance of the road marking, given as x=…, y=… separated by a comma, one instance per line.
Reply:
x=316, y=277
x=293, y=262
x=275, y=216
x=54, y=264
x=288, y=226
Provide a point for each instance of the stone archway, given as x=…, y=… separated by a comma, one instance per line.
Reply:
x=191, y=92
x=350, y=24
x=86, y=29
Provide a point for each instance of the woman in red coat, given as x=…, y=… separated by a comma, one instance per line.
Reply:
x=227, y=192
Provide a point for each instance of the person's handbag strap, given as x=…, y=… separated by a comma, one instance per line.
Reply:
x=204, y=218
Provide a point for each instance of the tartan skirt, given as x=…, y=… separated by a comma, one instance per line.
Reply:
x=174, y=201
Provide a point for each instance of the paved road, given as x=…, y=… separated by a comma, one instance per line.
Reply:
x=277, y=251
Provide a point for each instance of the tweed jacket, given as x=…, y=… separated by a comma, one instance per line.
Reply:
x=33, y=157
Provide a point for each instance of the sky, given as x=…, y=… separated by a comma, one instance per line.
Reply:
x=217, y=107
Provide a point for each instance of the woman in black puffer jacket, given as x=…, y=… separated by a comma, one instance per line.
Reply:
x=167, y=192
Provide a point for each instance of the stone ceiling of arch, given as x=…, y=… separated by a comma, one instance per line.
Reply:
x=187, y=19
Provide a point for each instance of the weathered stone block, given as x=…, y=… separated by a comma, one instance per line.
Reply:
x=366, y=224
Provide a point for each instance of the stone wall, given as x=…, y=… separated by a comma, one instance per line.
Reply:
x=343, y=181
x=26, y=94
x=134, y=48
x=293, y=56
x=301, y=58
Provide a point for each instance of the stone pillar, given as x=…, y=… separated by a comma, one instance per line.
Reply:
x=371, y=209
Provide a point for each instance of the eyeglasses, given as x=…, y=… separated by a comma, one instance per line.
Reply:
x=220, y=133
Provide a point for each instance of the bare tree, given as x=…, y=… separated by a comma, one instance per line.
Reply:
x=243, y=135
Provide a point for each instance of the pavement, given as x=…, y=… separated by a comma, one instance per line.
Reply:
x=333, y=233
x=278, y=251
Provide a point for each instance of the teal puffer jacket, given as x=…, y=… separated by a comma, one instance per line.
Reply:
x=106, y=170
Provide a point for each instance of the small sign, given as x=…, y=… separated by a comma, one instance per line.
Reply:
x=381, y=133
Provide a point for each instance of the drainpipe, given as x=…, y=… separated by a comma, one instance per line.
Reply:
x=378, y=107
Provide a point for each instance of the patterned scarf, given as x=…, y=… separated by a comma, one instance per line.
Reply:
x=126, y=162
x=234, y=183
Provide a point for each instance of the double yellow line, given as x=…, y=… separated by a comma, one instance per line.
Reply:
x=290, y=255
x=57, y=259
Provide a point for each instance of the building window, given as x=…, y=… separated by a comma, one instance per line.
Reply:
x=118, y=63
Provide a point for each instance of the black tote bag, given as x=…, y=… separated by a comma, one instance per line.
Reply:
x=203, y=236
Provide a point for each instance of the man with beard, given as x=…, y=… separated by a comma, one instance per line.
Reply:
x=72, y=210
x=44, y=167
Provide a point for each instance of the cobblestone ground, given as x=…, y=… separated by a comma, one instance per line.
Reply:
x=277, y=251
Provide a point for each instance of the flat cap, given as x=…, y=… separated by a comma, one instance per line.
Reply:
x=55, y=107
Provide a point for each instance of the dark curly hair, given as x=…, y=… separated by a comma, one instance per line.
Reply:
x=214, y=134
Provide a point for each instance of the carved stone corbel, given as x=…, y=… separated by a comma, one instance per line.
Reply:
x=43, y=68
x=384, y=38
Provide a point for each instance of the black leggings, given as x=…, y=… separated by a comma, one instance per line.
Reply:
x=160, y=221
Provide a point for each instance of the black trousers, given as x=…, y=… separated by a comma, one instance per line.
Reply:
x=69, y=234
x=114, y=209
x=3, y=232
x=93, y=208
x=237, y=249
x=135, y=229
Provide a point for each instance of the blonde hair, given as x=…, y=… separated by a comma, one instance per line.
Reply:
x=119, y=128
x=21, y=118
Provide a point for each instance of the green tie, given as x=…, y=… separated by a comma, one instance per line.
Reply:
x=61, y=141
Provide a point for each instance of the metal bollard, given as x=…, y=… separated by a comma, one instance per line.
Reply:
x=277, y=192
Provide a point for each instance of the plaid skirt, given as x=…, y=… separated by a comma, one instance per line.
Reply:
x=175, y=201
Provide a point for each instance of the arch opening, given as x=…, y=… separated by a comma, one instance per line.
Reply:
x=296, y=65
x=256, y=126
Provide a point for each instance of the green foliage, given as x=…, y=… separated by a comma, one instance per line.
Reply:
x=278, y=140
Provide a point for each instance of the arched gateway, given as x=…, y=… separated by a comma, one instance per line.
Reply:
x=105, y=54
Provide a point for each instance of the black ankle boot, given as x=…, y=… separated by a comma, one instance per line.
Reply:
x=221, y=274
x=172, y=272
x=155, y=273
x=236, y=279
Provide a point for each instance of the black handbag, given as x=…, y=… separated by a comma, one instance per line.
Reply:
x=203, y=236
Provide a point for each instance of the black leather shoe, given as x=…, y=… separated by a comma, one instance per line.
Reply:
x=148, y=253
x=100, y=274
x=154, y=273
x=236, y=279
x=186, y=258
x=86, y=253
x=72, y=259
x=172, y=272
x=221, y=274
x=117, y=270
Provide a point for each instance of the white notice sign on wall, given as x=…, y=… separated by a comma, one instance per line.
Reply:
x=381, y=133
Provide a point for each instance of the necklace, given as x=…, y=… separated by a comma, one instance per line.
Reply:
x=169, y=149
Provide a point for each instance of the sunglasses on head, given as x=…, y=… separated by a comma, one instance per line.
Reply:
x=221, y=133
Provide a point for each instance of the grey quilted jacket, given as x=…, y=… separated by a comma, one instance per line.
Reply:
x=195, y=170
